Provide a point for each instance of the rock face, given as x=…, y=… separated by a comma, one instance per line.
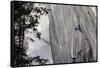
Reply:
x=73, y=34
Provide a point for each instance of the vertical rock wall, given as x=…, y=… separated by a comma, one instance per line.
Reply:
x=72, y=33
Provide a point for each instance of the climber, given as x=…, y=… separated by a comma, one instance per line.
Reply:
x=78, y=28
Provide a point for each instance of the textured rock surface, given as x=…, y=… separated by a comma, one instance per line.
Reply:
x=73, y=33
